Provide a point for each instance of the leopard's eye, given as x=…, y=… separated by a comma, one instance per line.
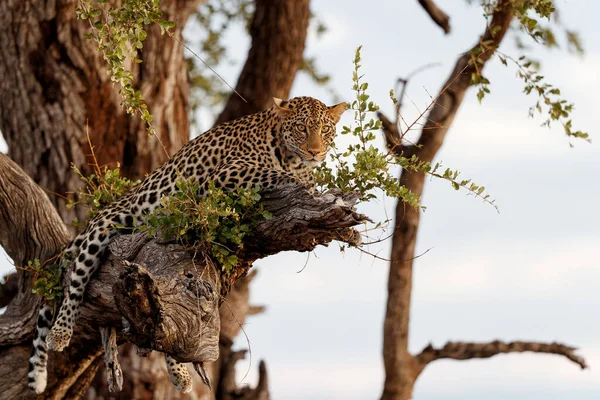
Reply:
x=301, y=127
x=326, y=129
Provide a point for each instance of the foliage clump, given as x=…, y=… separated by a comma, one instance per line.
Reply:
x=47, y=277
x=366, y=168
x=99, y=189
x=530, y=15
x=216, y=222
x=120, y=33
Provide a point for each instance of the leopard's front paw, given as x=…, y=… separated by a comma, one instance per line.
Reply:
x=58, y=338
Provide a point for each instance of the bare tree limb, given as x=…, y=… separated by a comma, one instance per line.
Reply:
x=400, y=366
x=467, y=351
x=437, y=15
x=393, y=138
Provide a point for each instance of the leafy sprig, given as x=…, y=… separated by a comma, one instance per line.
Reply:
x=365, y=168
x=530, y=15
x=47, y=277
x=216, y=222
x=120, y=33
x=99, y=189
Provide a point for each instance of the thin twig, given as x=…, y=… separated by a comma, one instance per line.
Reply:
x=172, y=36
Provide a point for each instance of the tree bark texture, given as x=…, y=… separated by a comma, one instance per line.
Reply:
x=54, y=84
x=402, y=368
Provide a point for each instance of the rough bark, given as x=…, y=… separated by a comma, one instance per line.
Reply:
x=468, y=351
x=402, y=368
x=55, y=82
x=162, y=296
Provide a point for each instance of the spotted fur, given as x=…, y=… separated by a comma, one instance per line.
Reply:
x=179, y=374
x=274, y=147
x=37, y=375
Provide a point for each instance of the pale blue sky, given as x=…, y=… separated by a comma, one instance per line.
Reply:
x=529, y=273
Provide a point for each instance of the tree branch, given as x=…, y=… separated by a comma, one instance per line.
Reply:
x=30, y=227
x=467, y=351
x=438, y=16
x=393, y=138
x=399, y=363
x=160, y=295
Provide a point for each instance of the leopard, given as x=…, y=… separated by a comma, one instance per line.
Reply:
x=272, y=148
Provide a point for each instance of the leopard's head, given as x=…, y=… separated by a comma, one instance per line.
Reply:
x=308, y=126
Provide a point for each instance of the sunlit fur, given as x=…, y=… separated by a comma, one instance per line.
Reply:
x=308, y=127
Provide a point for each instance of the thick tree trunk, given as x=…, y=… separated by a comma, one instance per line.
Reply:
x=60, y=85
x=54, y=82
x=278, y=31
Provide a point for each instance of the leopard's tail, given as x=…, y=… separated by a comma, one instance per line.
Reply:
x=38, y=373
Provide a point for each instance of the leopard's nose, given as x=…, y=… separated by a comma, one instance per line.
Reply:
x=313, y=152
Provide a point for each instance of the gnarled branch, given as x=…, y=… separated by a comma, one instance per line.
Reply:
x=467, y=351
x=158, y=295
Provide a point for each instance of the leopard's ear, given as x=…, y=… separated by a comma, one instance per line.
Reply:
x=280, y=107
x=337, y=111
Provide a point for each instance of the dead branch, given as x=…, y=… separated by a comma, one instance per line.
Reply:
x=227, y=388
x=437, y=15
x=467, y=351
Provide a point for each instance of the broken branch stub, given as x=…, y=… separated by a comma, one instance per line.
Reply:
x=164, y=297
